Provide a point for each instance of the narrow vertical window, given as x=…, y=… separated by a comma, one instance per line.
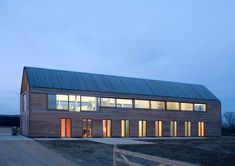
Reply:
x=65, y=127
x=158, y=128
x=142, y=128
x=201, y=129
x=87, y=128
x=25, y=103
x=125, y=128
x=173, y=128
x=107, y=128
x=187, y=128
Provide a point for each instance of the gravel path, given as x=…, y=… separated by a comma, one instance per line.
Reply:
x=17, y=153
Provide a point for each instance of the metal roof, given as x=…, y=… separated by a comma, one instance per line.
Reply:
x=79, y=81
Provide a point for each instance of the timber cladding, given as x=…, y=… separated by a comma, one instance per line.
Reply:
x=46, y=123
x=36, y=120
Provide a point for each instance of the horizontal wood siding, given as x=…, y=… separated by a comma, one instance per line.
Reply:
x=45, y=123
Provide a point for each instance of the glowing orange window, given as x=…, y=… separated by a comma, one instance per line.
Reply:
x=65, y=127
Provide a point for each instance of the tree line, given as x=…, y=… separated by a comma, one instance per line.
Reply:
x=228, y=123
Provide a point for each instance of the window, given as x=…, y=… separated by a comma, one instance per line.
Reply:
x=144, y=104
x=186, y=106
x=62, y=102
x=187, y=128
x=51, y=101
x=24, y=103
x=158, y=105
x=158, y=128
x=173, y=128
x=124, y=103
x=142, y=128
x=107, y=126
x=88, y=103
x=125, y=128
x=107, y=102
x=65, y=127
x=201, y=129
x=87, y=128
x=200, y=107
x=74, y=103
x=173, y=106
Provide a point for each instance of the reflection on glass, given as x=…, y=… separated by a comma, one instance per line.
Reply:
x=199, y=107
x=88, y=103
x=107, y=102
x=62, y=102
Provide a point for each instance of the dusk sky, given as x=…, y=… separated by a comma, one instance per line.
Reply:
x=191, y=41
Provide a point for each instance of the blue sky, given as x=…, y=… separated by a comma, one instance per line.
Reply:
x=190, y=41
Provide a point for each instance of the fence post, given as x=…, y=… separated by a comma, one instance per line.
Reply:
x=114, y=155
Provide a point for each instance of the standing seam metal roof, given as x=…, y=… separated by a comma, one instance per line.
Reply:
x=79, y=81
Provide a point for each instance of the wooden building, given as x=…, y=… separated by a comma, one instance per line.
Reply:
x=56, y=103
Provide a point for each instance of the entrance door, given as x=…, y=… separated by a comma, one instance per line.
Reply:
x=65, y=127
x=87, y=128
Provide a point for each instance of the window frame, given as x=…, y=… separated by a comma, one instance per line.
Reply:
x=134, y=101
x=115, y=102
x=199, y=103
x=96, y=105
x=173, y=109
x=158, y=101
x=186, y=103
x=142, y=129
x=125, y=135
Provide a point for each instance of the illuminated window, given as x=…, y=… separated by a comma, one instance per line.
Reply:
x=74, y=103
x=65, y=127
x=158, y=105
x=187, y=128
x=173, y=128
x=173, y=106
x=62, y=102
x=186, y=106
x=107, y=126
x=125, y=128
x=142, y=128
x=201, y=129
x=107, y=102
x=158, y=128
x=88, y=103
x=144, y=104
x=124, y=103
x=200, y=107
x=87, y=128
